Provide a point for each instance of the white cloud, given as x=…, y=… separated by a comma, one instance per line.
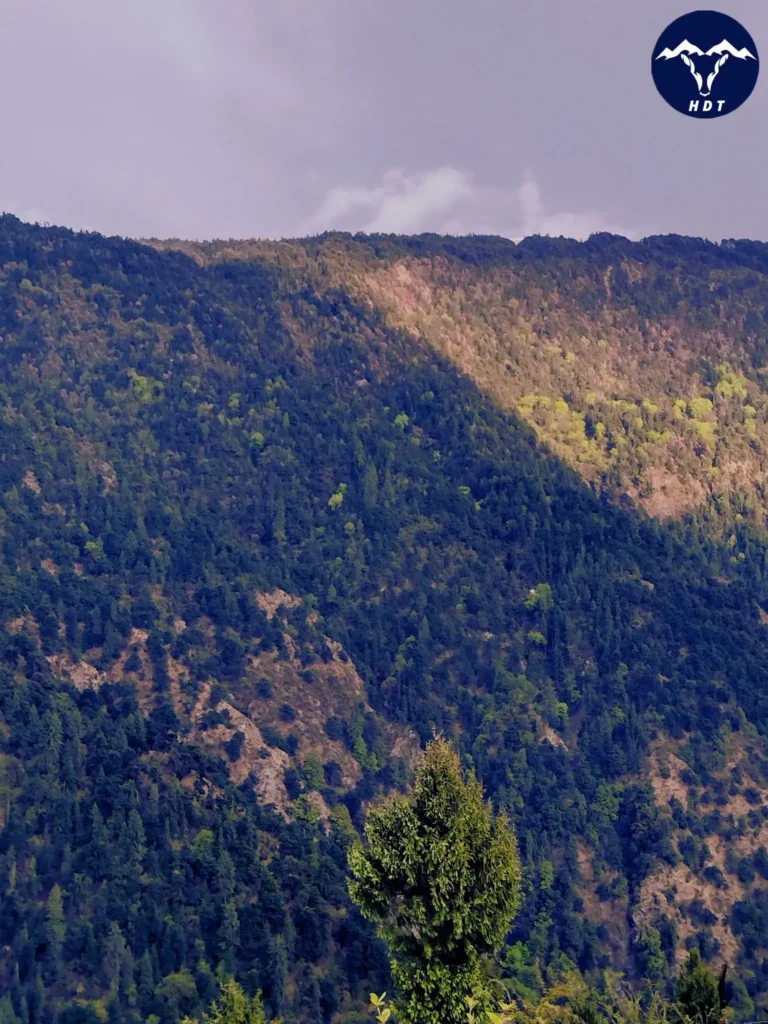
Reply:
x=449, y=201
x=410, y=203
x=399, y=204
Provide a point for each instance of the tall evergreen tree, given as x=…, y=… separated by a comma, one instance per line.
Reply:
x=698, y=1000
x=233, y=1007
x=441, y=874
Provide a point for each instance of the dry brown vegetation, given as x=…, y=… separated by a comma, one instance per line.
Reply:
x=560, y=370
x=669, y=889
x=266, y=767
x=610, y=914
x=335, y=689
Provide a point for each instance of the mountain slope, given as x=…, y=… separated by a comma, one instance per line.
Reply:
x=261, y=529
x=643, y=365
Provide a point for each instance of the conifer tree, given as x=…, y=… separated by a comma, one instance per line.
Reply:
x=55, y=925
x=441, y=874
x=697, y=997
x=232, y=1007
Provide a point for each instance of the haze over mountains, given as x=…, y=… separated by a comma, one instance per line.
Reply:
x=272, y=514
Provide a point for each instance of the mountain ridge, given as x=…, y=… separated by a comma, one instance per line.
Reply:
x=229, y=476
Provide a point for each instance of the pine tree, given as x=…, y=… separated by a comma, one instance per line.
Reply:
x=650, y=955
x=442, y=876
x=229, y=933
x=278, y=523
x=233, y=1007
x=371, y=486
x=697, y=997
x=277, y=970
x=7, y=1013
x=55, y=926
x=117, y=963
x=146, y=979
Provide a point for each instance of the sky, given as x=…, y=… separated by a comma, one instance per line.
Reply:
x=246, y=118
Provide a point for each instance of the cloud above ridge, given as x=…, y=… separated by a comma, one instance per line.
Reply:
x=448, y=200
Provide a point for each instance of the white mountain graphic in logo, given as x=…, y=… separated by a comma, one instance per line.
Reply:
x=687, y=51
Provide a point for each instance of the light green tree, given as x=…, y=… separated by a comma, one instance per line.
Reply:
x=540, y=597
x=697, y=998
x=441, y=874
x=55, y=925
x=235, y=1007
x=650, y=955
x=312, y=771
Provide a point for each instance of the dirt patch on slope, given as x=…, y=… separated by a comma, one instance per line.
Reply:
x=664, y=770
x=270, y=601
x=684, y=887
x=30, y=481
x=266, y=764
x=671, y=496
x=608, y=913
x=670, y=890
x=315, y=694
x=81, y=674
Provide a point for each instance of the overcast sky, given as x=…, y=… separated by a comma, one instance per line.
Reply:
x=242, y=118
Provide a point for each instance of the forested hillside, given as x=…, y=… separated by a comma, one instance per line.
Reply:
x=642, y=365
x=273, y=514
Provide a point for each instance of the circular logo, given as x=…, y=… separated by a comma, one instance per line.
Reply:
x=705, y=64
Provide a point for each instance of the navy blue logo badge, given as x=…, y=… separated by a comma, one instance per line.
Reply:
x=705, y=64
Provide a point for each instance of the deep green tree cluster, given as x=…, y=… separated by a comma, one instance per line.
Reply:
x=119, y=884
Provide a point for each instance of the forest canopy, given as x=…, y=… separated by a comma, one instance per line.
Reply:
x=260, y=539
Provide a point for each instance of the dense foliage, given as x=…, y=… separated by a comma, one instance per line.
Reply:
x=442, y=875
x=643, y=365
x=121, y=883
x=697, y=998
x=180, y=436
